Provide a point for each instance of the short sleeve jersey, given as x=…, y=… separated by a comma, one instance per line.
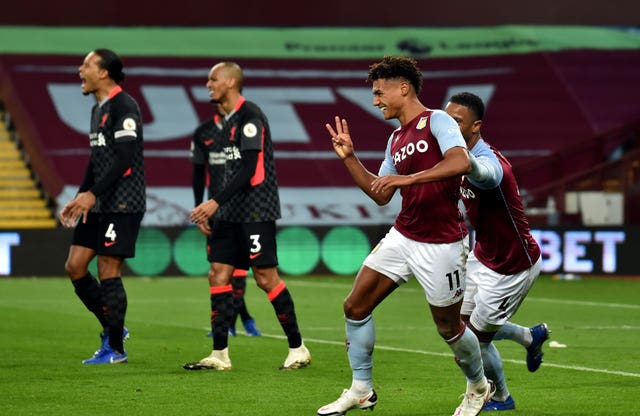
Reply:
x=429, y=211
x=503, y=239
x=114, y=121
x=207, y=149
x=247, y=128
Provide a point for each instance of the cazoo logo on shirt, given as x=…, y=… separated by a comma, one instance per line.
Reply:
x=421, y=146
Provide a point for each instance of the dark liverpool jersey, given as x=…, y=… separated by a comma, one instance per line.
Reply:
x=116, y=121
x=248, y=129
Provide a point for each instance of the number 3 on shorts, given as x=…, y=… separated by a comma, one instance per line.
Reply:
x=255, y=243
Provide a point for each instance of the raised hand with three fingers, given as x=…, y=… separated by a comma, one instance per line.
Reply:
x=340, y=138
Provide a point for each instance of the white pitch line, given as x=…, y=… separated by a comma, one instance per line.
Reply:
x=583, y=303
x=442, y=354
x=610, y=328
x=528, y=298
x=378, y=347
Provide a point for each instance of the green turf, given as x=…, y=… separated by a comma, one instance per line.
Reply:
x=45, y=332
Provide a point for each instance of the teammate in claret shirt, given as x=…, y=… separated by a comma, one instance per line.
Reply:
x=505, y=261
x=110, y=204
x=244, y=233
x=424, y=157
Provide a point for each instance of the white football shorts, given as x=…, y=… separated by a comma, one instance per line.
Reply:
x=439, y=268
x=491, y=298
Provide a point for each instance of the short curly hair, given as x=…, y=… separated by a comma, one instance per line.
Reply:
x=397, y=67
x=471, y=101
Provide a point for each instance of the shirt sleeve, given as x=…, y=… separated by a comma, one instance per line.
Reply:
x=445, y=129
x=251, y=135
x=198, y=182
x=196, y=153
x=388, y=167
x=88, y=179
x=239, y=180
x=199, y=160
x=126, y=129
x=486, y=170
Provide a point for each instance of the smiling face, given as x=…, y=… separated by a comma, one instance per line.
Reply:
x=91, y=75
x=389, y=96
x=218, y=83
x=467, y=121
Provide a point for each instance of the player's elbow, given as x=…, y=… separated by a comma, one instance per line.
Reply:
x=463, y=163
x=458, y=161
x=466, y=166
x=382, y=198
x=380, y=201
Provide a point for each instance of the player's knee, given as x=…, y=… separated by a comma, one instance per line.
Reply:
x=446, y=333
x=265, y=286
x=218, y=277
x=448, y=329
x=211, y=275
x=74, y=270
x=486, y=334
x=355, y=310
x=266, y=278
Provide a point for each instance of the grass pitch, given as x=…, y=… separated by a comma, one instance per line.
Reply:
x=45, y=333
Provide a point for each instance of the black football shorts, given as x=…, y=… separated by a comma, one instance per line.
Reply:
x=243, y=245
x=109, y=234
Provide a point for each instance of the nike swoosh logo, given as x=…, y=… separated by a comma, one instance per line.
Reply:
x=109, y=243
x=253, y=256
x=208, y=142
x=364, y=400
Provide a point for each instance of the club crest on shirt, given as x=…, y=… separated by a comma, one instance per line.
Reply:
x=129, y=124
x=250, y=130
x=422, y=123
